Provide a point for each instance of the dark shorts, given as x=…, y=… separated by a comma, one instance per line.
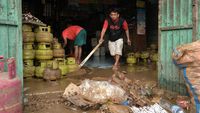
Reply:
x=80, y=38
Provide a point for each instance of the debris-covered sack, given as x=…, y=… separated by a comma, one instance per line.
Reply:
x=187, y=54
x=102, y=91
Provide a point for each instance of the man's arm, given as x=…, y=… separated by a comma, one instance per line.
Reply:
x=105, y=26
x=125, y=27
x=65, y=42
x=128, y=38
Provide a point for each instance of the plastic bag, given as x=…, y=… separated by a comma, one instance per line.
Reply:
x=101, y=92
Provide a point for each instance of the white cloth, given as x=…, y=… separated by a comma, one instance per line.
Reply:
x=116, y=47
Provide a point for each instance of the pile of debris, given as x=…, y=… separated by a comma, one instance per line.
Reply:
x=29, y=18
x=117, y=95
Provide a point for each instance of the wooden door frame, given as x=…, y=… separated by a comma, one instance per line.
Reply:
x=195, y=4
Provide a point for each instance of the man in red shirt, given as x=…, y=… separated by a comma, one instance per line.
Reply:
x=78, y=35
x=116, y=26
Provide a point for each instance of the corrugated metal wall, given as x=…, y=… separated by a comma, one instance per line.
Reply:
x=175, y=28
x=10, y=32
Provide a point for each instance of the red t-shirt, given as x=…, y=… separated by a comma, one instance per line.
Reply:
x=124, y=25
x=71, y=32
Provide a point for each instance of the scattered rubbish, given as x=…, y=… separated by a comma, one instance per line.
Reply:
x=183, y=102
x=170, y=107
x=156, y=108
x=120, y=90
x=115, y=109
x=176, y=109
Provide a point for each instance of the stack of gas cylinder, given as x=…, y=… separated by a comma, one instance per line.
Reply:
x=10, y=87
x=150, y=55
x=58, y=53
x=28, y=50
x=42, y=51
x=65, y=65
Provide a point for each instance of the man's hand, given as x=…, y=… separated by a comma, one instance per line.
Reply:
x=129, y=42
x=65, y=43
x=101, y=41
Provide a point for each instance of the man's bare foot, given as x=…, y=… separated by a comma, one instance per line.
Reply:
x=79, y=61
x=115, y=67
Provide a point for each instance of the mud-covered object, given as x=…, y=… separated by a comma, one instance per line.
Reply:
x=102, y=91
x=115, y=109
x=71, y=90
x=187, y=54
x=51, y=74
x=73, y=98
x=80, y=102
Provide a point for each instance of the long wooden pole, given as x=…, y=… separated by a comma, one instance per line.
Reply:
x=86, y=59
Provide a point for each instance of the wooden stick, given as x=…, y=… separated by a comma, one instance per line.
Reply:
x=86, y=59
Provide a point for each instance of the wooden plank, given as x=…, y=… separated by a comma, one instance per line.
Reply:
x=176, y=27
x=19, y=56
x=195, y=20
x=5, y=22
x=90, y=54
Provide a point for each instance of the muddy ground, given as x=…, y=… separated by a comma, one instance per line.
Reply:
x=45, y=97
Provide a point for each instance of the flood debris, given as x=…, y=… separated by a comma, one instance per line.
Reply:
x=115, y=95
x=113, y=108
x=52, y=74
x=156, y=108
